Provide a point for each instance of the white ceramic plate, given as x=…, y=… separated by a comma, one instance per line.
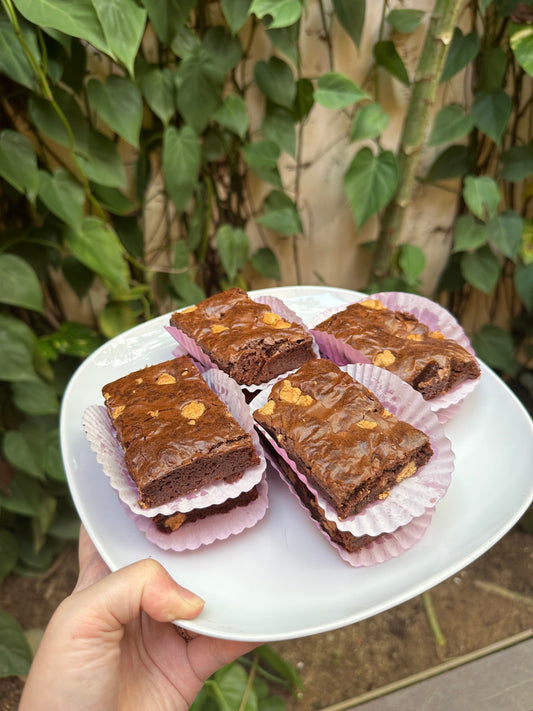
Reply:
x=281, y=579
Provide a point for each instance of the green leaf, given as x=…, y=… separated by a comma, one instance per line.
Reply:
x=523, y=281
x=62, y=195
x=236, y=13
x=77, y=19
x=522, y=45
x=481, y=195
x=18, y=162
x=185, y=42
x=225, y=49
x=181, y=164
x=72, y=339
x=386, y=56
x=22, y=495
x=78, y=276
x=15, y=652
x=481, y=269
x=19, y=285
x=233, y=115
x=17, y=345
x=269, y=657
x=232, y=684
x=97, y=246
x=23, y=449
x=232, y=244
x=168, y=16
x=47, y=120
x=262, y=157
x=113, y=200
x=463, y=50
x=282, y=12
x=101, y=162
x=265, y=262
x=337, y=91
x=453, y=162
x=405, y=20
x=199, y=83
x=491, y=111
x=13, y=61
x=495, y=346
x=368, y=122
x=130, y=234
x=8, y=552
x=505, y=233
x=158, y=90
x=412, y=261
x=286, y=40
x=118, y=102
x=304, y=99
x=279, y=126
x=351, y=16
x=123, y=23
x=493, y=68
x=450, y=124
x=276, y=80
x=280, y=214
x=35, y=398
x=517, y=163
x=370, y=182
x=115, y=318
x=469, y=234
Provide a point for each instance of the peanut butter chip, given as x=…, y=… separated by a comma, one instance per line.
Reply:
x=367, y=424
x=193, y=410
x=294, y=395
x=384, y=359
x=189, y=309
x=153, y=413
x=117, y=411
x=267, y=409
x=385, y=413
x=218, y=328
x=139, y=381
x=372, y=304
x=107, y=395
x=275, y=320
x=165, y=379
x=414, y=336
x=406, y=472
x=282, y=324
x=437, y=334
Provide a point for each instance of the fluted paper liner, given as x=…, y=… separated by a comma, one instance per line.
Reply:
x=216, y=527
x=428, y=312
x=109, y=453
x=276, y=305
x=413, y=496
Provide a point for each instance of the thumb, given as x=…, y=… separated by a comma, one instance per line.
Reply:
x=117, y=599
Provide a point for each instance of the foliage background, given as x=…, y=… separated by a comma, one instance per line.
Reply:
x=142, y=147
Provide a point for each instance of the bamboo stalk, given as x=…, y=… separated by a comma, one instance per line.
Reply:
x=429, y=70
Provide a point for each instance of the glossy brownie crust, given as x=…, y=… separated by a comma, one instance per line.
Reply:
x=243, y=338
x=397, y=341
x=168, y=524
x=176, y=434
x=338, y=434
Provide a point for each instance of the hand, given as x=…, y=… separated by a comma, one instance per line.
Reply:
x=111, y=644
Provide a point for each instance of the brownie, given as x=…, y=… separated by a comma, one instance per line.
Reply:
x=345, y=539
x=349, y=447
x=172, y=522
x=400, y=343
x=243, y=338
x=176, y=434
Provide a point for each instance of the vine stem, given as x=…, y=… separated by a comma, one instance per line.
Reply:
x=439, y=35
x=49, y=96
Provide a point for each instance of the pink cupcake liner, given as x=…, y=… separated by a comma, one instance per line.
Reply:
x=216, y=527
x=413, y=496
x=190, y=347
x=385, y=546
x=101, y=436
x=433, y=315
